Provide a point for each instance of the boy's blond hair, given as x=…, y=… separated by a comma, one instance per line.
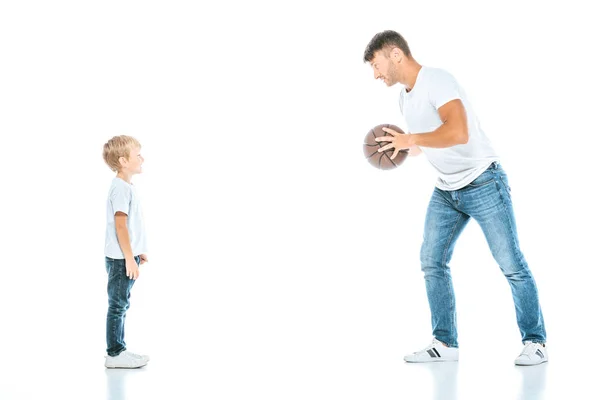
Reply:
x=118, y=146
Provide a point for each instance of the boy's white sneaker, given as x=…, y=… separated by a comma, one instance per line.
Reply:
x=532, y=354
x=435, y=352
x=125, y=359
x=142, y=356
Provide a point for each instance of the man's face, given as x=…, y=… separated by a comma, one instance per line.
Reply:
x=384, y=69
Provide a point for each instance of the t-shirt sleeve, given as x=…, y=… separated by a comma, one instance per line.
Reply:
x=120, y=198
x=444, y=88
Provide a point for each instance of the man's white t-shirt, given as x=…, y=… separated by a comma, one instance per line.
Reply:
x=123, y=197
x=458, y=165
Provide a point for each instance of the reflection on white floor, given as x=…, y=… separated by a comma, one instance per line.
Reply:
x=436, y=381
x=533, y=382
x=369, y=377
x=117, y=380
x=444, y=379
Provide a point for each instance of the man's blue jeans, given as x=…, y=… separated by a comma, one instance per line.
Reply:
x=488, y=201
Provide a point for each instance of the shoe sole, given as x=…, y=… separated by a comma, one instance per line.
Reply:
x=124, y=367
x=530, y=365
x=430, y=361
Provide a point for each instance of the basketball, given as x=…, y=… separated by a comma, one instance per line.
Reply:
x=382, y=160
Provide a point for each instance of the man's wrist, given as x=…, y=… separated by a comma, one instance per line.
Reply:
x=412, y=139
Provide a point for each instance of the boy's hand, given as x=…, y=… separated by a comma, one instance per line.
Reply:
x=132, y=269
x=143, y=259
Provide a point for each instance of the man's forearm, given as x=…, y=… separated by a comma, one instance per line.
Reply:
x=442, y=137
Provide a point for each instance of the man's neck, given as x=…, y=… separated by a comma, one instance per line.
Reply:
x=411, y=75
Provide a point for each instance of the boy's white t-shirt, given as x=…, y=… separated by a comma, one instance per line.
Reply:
x=458, y=165
x=123, y=197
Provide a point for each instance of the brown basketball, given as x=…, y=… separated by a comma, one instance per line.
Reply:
x=382, y=160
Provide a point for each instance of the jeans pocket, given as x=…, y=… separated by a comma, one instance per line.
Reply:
x=484, y=179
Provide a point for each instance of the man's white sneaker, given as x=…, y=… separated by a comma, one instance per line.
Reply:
x=435, y=352
x=532, y=354
x=125, y=360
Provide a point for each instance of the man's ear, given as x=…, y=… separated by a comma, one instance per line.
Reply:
x=397, y=55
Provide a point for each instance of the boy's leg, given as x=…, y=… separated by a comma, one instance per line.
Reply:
x=443, y=225
x=118, y=288
x=492, y=208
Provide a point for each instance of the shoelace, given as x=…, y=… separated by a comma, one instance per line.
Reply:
x=529, y=349
x=134, y=355
x=431, y=346
x=134, y=359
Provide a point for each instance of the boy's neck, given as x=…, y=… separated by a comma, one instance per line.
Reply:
x=125, y=176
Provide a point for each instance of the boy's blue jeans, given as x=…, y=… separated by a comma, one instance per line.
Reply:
x=118, y=288
x=488, y=201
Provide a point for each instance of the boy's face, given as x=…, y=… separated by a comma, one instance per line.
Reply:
x=134, y=164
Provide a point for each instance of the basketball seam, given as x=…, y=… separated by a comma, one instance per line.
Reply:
x=380, y=146
x=401, y=151
x=389, y=158
x=372, y=154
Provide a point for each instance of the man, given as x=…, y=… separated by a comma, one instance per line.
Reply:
x=471, y=184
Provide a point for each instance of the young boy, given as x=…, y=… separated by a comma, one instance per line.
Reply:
x=125, y=246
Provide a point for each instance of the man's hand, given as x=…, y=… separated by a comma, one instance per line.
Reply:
x=132, y=269
x=143, y=259
x=398, y=141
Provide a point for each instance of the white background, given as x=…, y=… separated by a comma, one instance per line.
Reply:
x=282, y=265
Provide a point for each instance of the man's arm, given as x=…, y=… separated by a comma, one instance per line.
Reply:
x=453, y=131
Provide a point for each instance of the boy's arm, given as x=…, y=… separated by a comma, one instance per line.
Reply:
x=123, y=237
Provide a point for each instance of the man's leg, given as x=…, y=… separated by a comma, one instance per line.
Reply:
x=443, y=225
x=490, y=204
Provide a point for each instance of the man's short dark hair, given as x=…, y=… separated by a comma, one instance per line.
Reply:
x=384, y=40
